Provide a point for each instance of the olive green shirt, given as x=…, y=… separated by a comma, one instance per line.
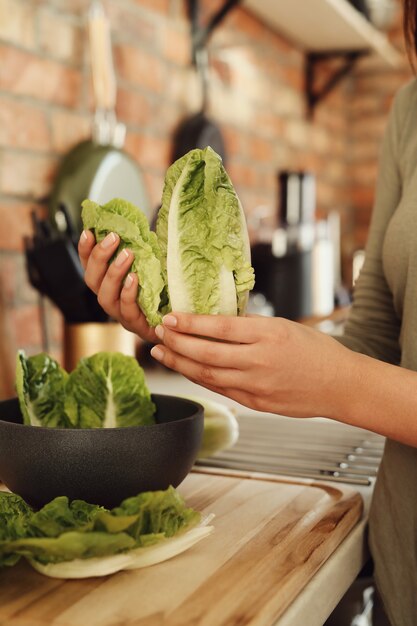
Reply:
x=383, y=324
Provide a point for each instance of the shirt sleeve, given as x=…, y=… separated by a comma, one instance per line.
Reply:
x=373, y=327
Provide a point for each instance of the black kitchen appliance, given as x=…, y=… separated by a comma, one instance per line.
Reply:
x=283, y=264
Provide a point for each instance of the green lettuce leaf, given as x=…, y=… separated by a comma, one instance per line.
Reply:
x=40, y=386
x=108, y=390
x=68, y=546
x=149, y=516
x=132, y=226
x=199, y=259
x=203, y=237
x=60, y=516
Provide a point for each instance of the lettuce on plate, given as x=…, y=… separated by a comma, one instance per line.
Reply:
x=76, y=539
x=199, y=259
x=40, y=385
x=108, y=390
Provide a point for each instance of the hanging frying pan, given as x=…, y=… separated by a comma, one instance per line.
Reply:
x=198, y=130
x=98, y=168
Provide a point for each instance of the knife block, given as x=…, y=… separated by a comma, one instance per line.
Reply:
x=81, y=340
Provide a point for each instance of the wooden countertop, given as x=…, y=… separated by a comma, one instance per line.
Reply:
x=271, y=536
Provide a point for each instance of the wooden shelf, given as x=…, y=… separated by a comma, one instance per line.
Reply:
x=324, y=26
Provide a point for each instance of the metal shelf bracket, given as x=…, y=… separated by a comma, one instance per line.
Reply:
x=199, y=33
x=314, y=60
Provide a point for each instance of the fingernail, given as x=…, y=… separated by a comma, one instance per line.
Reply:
x=169, y=320
x=159, y=332
x=129, y=281
x=84, y=236
x=157, y=353
x=121, y=258
x=109, y=240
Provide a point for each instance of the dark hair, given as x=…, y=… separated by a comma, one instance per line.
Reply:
x=410, y=27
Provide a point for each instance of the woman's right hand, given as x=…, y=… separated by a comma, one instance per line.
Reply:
x=118, y=300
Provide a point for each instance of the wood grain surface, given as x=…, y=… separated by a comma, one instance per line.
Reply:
x=270, y=537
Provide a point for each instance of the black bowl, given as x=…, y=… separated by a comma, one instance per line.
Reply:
x=102, y=465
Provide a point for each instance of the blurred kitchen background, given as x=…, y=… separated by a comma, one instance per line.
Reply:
x=301, y=126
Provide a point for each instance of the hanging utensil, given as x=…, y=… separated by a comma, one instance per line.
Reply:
x=199, y=130
x=98, y=168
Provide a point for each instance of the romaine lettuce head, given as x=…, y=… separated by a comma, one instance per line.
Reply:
x=40, y=386
x=123, y=218
x=203, y=237
x=108, y=390
x=199, y=259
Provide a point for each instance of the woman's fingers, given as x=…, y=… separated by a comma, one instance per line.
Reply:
x=85, y=246
x=226, y=328
x=131, y=315
x=204, y=351
x=201, y=373
x=108, y=295
x=97, y=263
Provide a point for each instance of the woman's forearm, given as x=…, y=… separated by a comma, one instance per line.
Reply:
x=379, y=397
x=278, y=366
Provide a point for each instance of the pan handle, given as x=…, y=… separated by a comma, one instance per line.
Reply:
x=202, y=67
x=106, y=128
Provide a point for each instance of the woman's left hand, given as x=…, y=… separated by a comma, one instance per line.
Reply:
x=269, y=364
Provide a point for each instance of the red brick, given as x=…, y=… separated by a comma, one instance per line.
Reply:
x=26, y=174
x=150, y=151
x=15, y=224
x=127, y=22
x=363, y=197
x=297, y=133
x=268, y=123
x=364, y=174
x=23, y=125
x=26, y=325
x=133, y=107
x=9, y=271
x=242, y=174
x=370, y=127
x=60, y=38
x=361, y=236
x=160, y=6
x=17, y=23
x=248, y=24
x=234, y=139
x=175, y=44
x=139, y=67
x=260, y=150
x=76, y=7
x=69, y=128
x=25, y=74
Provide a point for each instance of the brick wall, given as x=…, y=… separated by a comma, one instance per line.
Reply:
x=256, y=96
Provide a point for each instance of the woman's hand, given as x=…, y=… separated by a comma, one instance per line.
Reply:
x=118, y=300
x=269, y=364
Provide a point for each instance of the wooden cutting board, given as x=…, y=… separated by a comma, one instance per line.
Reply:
x=270, y=537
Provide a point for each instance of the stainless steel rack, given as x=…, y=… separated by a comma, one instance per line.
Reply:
x=316, y=449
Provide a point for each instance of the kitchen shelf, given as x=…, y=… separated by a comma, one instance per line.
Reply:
x=325, y=26
x=327, y=29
